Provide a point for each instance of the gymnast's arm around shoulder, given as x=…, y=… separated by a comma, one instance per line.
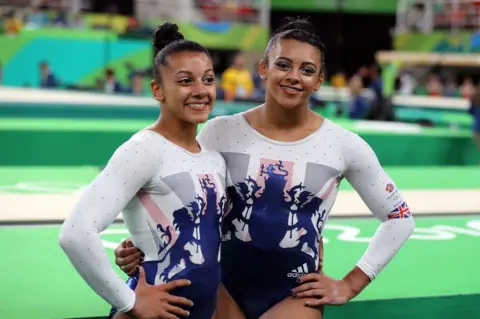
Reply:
x=385, y=201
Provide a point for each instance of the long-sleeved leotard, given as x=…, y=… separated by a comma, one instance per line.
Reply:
x=281, y=194
x=172, y=202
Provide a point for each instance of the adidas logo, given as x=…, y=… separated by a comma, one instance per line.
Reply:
x=299, y=271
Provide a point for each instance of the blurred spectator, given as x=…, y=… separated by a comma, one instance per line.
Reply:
x=136, y=87
x=132, y=24
x=111, y=83
x=211, y=9
x=130, y=69
x=467, y=88
x=61, y=18
x=381, y=107
x=78, y=22
x=36, y=19
x=47, y=78
x=415, y=17
x=338, y=80
x=245, y=11
x=475, y=112
x=364, y=73
x=376, y=81
x=358, y=104
x=12, y=25
x=258, y=83
x=237, y=81
x=434, y=85
x=407, y=83
x=451, y=89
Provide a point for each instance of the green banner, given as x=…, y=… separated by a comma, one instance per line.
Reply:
x=359, y=6
x=65, y=50
x=220, y=35
x=440, y=42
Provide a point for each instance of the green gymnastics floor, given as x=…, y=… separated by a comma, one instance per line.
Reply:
x=435, y=275
x=39, y=282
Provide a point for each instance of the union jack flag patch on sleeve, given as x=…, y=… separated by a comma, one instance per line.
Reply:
x=400, y=212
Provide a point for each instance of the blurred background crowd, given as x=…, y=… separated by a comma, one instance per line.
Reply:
x=104, y=47
x=351, y=42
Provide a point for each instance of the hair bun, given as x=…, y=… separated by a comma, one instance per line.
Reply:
x=165, y=34
x=296, y=24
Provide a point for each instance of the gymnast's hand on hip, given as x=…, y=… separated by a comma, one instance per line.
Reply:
x=328, y=290
x=156, y=302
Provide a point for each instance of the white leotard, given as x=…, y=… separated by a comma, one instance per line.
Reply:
x=282, y=193
x=172, y=202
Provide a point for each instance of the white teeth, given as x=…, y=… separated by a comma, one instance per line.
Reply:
x=197, y=106
x=291, y=89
